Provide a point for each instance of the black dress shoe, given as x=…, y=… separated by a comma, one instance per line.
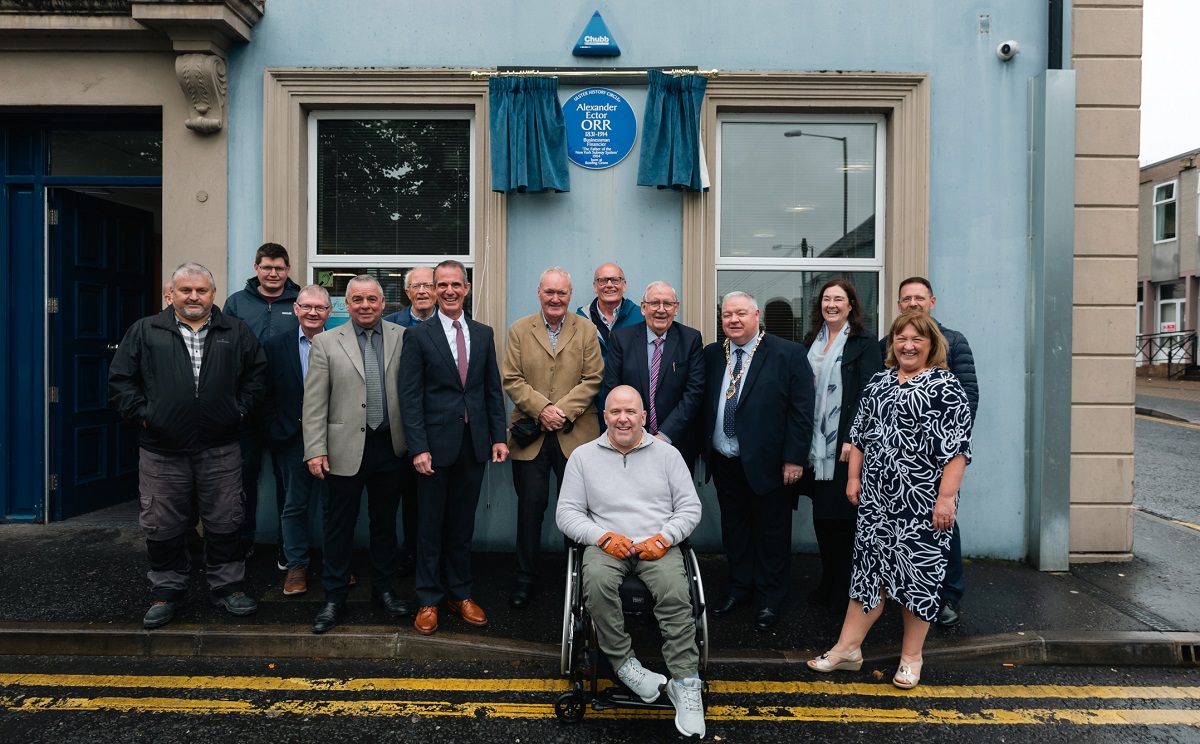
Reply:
x=519, y=599
x=392, y=604
x=328, y=617
x=949, y=615
x=726, y=607
x=766, y=619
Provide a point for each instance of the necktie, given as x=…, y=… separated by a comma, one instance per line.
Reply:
x=731, y=403
x=374, y=384
x=655, y=366
x=460, y=343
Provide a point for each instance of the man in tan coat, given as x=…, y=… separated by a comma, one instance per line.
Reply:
x=552, y=372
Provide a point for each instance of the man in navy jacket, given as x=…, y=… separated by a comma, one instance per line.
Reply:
x=758, y=422
x=673, y=411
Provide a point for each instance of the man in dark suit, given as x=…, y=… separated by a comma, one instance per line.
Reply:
x=453, y=410
x=353, y=439
x=287, y=366
x=664, y=361
x=758, y=421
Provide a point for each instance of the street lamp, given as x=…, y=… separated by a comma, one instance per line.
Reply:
x=845, y=173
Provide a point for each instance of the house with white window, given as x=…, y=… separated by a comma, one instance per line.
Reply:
x=1168, y=259
x=993, y=150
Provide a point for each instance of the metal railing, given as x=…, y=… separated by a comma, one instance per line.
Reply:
x=1177, y=350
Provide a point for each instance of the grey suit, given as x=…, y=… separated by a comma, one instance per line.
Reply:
x=335, y=425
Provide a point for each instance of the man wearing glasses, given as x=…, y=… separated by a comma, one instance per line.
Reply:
x=609, y=312
x=287, y=365
x=664, y=361
x=266, y=306
x=418, y=285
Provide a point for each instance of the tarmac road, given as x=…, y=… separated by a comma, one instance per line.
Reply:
x=94, y=700
x=1166, y=477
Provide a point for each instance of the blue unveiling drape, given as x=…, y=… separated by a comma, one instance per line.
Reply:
x=671, y=156
x=528, y=135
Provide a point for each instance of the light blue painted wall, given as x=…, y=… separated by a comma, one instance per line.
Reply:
x=978, y=170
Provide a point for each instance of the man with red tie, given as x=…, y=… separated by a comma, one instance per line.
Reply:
x=453, y=412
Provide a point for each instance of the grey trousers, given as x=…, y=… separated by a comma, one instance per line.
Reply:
x=667, y=582
x=170, y=486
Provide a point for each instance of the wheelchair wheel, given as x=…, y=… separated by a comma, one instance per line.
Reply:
x=567, y=655
x=570, y=707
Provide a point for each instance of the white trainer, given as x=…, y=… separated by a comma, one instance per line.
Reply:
x=689, y=706
x=645, y=684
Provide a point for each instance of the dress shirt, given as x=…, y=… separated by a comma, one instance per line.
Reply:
x=194, y=340
x=650, y=337
x=452, y=334
x=721, y=443
x=360, y=333
x=305, y=350
x=553, y=333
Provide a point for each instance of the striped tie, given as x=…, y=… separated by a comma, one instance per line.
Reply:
x=655, y=365
x=374, y=387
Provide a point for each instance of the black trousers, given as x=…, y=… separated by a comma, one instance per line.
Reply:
x=251, y=441
x=447, y=501
x=532, y=481
x=408, y=505
x=379, y=474
x=756, y=530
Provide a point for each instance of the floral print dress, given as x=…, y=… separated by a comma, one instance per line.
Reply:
x=908, y=433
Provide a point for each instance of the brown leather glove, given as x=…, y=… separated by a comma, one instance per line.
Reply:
x=618, y=546
x=652, y=548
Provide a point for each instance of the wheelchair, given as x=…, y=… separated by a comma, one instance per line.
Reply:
x=582, y=661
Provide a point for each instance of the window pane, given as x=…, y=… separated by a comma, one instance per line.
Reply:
x=1166, y=191
x=1164, y=221
x=392, y=279
x=785, y=298
x=793, y=190
x=105, y=153
x=390, y=187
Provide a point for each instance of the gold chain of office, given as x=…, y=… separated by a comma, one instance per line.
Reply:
x=733, y=379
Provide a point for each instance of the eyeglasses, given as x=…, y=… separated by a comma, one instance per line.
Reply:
x=421, y=285
x=656, y=304
x=310, y=308
x=609, y=279
x=273, y=269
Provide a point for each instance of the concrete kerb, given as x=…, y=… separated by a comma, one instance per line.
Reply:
x=1148, y=648
x=1155, y=413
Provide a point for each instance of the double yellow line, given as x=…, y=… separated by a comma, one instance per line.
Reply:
x=519, y=710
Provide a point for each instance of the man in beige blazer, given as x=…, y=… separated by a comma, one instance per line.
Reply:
x=353, y=439
x=552, y=372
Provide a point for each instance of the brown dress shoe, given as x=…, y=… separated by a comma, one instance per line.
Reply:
x=426, y=622
x=295, y=583
x=471, y=612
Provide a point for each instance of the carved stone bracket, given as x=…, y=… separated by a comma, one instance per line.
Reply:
x=204, y=82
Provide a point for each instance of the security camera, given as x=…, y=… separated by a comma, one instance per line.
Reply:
x=1007, y=50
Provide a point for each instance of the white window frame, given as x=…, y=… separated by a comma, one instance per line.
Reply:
x=373, y=261
x=1156, y=203
x=796, y=264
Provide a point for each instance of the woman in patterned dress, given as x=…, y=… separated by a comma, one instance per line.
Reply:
x=912, y=442
x=844, y=359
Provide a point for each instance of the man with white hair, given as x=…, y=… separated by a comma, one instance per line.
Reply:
x=186, y=378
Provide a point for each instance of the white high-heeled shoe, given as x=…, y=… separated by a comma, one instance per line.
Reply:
x=908, y=675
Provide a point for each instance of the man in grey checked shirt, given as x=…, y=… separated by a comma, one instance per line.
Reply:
x=186, y=377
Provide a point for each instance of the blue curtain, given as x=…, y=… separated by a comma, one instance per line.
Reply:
x=671, y=157
x=528, y=135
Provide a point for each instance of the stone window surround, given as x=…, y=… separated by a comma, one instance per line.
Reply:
x=289, y=94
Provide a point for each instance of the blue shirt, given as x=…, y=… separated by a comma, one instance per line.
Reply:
x=725, y=445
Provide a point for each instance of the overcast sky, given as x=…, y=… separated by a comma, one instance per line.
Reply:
x=1170, y=106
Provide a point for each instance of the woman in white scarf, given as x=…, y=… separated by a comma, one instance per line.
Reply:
x=843, y=359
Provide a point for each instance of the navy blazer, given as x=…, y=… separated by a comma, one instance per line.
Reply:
x=282, y=410
x=774, y=418
x=432, y=399
x=680, y=390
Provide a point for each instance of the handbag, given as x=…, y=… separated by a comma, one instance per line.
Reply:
x=524, y=431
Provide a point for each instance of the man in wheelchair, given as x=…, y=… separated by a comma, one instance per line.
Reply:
x=629, y=498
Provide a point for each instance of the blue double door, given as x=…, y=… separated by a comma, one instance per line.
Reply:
x=83, y=262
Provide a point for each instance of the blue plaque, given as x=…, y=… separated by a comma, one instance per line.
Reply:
x=601, y=128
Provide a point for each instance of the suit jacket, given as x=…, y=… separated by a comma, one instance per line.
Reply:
x=335, y=394
x=774, y=419
x=283, y=408
x=432, y=399
x=680, y=392
x=535, y=375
